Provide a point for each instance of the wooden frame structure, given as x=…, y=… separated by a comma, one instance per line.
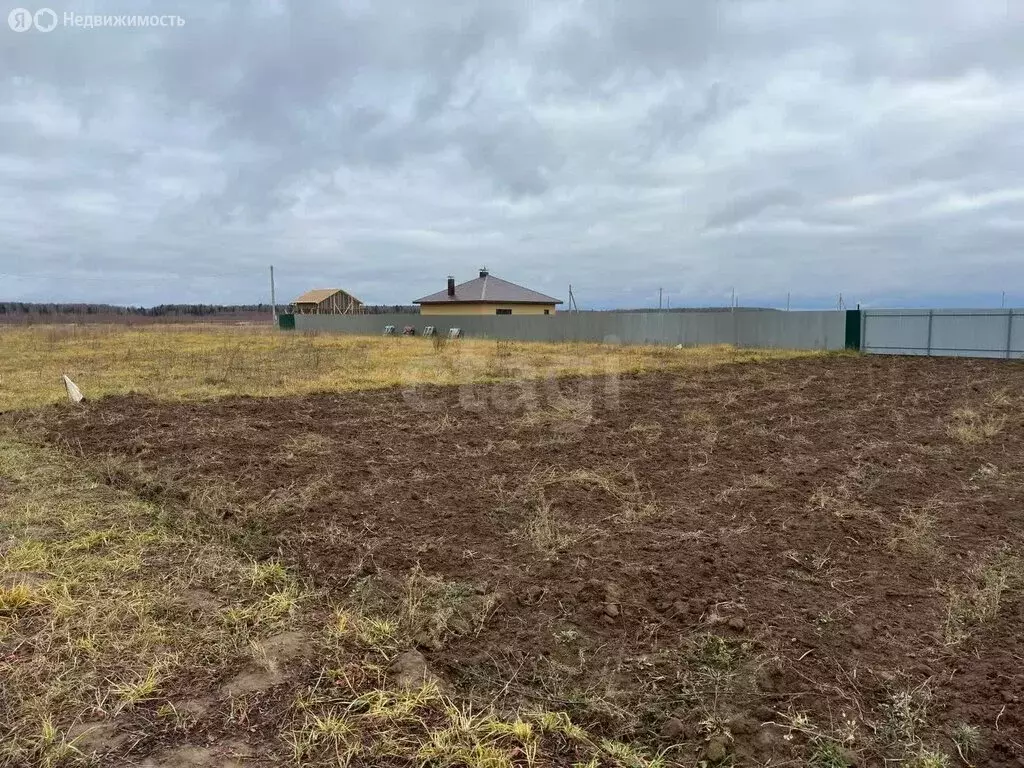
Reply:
x=327, y=301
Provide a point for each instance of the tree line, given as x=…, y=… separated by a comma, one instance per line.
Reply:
x=161, y=310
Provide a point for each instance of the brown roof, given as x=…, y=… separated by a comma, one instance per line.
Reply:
x=320, y=295
x=491, y=290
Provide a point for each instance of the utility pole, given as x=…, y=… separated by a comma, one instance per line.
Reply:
x=732, y=301
x=659, y=299
x=788, y=294
x=273, y=296
x=1003, y=302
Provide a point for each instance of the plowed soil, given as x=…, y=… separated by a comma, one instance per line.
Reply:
x=766, y=552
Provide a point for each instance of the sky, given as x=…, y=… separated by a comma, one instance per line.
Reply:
x=869, y=148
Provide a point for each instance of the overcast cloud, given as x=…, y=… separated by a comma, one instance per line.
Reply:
x=871, y=147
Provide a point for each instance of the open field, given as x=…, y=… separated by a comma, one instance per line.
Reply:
x=209, y=361
x=135, y=320
x=809, y=561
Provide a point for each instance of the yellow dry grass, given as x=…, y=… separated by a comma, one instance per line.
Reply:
x=105, y=610
x=969, y=426
x=95, y=608
x=208, y=361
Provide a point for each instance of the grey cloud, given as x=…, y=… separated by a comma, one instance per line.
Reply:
x=748, y=206
x=871, y=148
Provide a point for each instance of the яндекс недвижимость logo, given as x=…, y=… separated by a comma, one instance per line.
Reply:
x=46, y=20
x=22, y=19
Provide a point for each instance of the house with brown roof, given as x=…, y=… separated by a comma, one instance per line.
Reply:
x=327, y=301
x=487, y=295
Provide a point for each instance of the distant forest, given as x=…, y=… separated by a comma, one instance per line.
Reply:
x=24, y=312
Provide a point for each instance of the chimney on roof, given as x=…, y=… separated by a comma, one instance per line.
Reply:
x=451, y=286
x=484, y=272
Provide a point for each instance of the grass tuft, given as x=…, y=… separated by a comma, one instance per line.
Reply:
x=547, y=531
x=827, y=753
x=928, y=758
x=915, y=532
x=971, y=427
x=970, y=607
x=967, y=739
x=18, y=598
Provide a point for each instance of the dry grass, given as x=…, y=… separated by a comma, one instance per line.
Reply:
x=104, y=610
x=546, y=525
x=103, y=621
x=649, y=432
x=198, y=362
x=422, y=610
x=422, y=726
x=565, y=413
x=547, y=531
x=970, y=426
x=840, y=500
x=915, y=531
x=365, y=718
x=971, y=607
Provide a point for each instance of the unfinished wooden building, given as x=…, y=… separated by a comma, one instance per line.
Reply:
x=327, y=301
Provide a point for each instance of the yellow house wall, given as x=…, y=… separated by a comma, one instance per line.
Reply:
x=485, y=309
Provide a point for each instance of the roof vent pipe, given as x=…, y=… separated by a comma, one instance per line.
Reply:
x=451, y=286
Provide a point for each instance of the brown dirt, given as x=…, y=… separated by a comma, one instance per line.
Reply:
x=98, y=736
x=810, y=517
x=230, y=756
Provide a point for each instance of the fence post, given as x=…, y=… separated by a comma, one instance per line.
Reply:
x=931, y=318
x=1009, y=332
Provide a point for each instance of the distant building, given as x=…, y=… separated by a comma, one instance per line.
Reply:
x=327, y=301
x=487, y=295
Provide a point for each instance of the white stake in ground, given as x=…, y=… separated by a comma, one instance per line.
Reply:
x=74, y=393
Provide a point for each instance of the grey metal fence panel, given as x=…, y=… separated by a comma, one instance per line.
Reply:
x=747, y=328
x=992, y=333
x=895, y=332
x=1016, y=329
x=977, y=335
x=792, y=330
